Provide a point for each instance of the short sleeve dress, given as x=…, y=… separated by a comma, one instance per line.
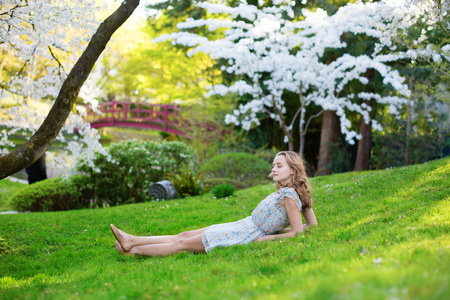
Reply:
x=267, y=218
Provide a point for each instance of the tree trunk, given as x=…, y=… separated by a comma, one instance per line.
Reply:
x=285, y=128
x=408, y=125
x=364, y=144
x=330, y=133
x=301, y=150
x=36, y=146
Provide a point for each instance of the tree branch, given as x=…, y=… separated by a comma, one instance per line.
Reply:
x=36, y=146
x=57, y=60
x=12, y=9
x=309, y=120
x=283, y=124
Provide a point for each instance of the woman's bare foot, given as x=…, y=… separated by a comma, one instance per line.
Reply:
x=121, y=237
x=120, y=249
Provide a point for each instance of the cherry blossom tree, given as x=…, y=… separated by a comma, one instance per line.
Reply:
x=48, y=29
x=272, y=53
x=409, y=30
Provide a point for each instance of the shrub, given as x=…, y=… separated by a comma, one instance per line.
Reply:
x=54, y=194
x=187, y=183
x=223, y=190
x=238, y=166
x=239, y=185
x=125, y=175
x=390, y=149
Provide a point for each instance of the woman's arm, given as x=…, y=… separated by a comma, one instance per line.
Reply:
x=310, y=218
x=295, y=219
x=288, y=229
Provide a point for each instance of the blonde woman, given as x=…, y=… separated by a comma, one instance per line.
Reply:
x=269, y=220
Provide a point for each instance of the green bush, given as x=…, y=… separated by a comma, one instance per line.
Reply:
x=54, y=194
x=390, y=149
x=188, y=183
x=223, y=190
x=239, y=185
x=126, y=174
x=239, y=166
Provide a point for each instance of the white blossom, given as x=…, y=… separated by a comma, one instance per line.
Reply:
x=51, y=34
x=261, y=41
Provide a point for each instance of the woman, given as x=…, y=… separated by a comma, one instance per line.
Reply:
x=271, y=217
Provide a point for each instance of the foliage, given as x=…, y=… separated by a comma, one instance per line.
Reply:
x=7, y=189
x=124, y=174
x=223, y=190
x=339, y=158
x=54, y=194
x=187, y=182
x=381, y=235
x=426, y=46
x=239, y=166
x=239, y=185
x=418, y=135
x=390, y=149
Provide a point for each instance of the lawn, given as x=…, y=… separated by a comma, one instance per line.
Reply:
x=7, y=189
x=381, y=235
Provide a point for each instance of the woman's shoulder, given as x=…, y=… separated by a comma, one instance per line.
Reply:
x=288, y=191
x=292, y=194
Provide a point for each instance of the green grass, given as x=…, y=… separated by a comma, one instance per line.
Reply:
x=7, y=189
x=381, y=235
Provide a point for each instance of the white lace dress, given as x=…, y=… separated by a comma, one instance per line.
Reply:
x=267, y=218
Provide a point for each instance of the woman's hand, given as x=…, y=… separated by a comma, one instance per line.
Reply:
x=264, y=238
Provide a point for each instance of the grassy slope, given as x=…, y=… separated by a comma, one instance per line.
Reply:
x=7, y=189
x=381, y=235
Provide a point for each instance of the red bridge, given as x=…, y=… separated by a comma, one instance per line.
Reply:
x=128, y=114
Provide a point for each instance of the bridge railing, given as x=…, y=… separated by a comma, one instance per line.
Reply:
x=129, y=114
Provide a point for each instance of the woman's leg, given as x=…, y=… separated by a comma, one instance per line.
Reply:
x=192, y=244
x=128, y=241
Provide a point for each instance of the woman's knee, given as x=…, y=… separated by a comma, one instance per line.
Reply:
x=190, y=233
x=183, y=235
x=190, y=244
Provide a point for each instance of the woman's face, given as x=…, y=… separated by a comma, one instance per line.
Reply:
x=281, y=172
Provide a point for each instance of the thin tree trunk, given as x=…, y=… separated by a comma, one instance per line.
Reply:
x=283, y=125
x=36, y=146
x=301, y=128
x=301, y=151
x=408, y=126
x=364, y=144
x=329, y=134
x=291, y=145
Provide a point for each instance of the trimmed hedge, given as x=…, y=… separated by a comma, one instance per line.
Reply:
x=239, y=166
x=212, y=182
x=54, y=194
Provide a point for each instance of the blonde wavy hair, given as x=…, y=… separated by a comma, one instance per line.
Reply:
x=299, y=180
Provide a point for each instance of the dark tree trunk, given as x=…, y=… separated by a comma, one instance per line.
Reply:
x=36, y=146
x=364, y=144
x=330, y=134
